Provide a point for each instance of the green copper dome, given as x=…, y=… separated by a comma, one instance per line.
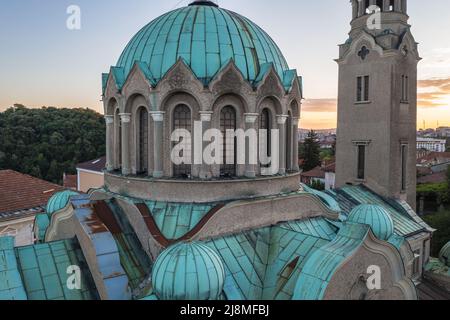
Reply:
x=444, y=255
x=206, y=37
x=376, y=217
x=188, y=271
x=58, y=201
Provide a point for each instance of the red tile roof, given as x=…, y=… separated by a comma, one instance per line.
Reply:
x=439, y=177
x=317, y=172
x=434, y=157
x=96, y=165
x=20, y=192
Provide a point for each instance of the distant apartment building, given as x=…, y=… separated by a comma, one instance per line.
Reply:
x=90, y=174
x=430, y=144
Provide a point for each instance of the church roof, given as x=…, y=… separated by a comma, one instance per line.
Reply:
x=206, y=37
x=39, y=272
x=21, y=194
x=405, y=224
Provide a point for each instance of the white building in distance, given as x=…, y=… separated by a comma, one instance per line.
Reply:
x=430, y=144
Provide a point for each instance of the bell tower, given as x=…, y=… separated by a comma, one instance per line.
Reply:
x=377, y=101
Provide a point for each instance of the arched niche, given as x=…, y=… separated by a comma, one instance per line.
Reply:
x=169, y=106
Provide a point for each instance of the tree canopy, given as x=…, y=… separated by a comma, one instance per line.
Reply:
x=310, y=151
x=49, y=141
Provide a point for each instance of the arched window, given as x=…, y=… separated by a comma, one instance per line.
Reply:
x=289, y=142
x=118, y=140
x=228, y=122
x=266, y=124
x=182, y=120
x=143, y=139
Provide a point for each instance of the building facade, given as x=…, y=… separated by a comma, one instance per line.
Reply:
x=160, y=230
x=90, y=174
x=432, y=145
x=377, y=103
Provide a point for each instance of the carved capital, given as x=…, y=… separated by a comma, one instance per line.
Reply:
x=206, y=116
x=125, y=117
x=281, y=119
x=251, y=117
x=158, y=116
x=109, y=120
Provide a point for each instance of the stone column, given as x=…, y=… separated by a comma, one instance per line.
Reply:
x=205, y=169
x=281, y=120
x=126, y=121
x=354, y=9
x=150, y=146
x=361, y=8
x=295, y=157
x=109, y=142
x=250, y=148
x=158, y=144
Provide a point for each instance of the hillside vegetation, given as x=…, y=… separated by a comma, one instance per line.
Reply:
x=47, y=142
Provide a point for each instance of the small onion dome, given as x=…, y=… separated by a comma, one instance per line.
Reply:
x=59, y=200
x=376, y=217
x=444, y=255
x=188, y=271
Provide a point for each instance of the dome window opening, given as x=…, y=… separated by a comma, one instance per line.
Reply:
x=227, y=123
x=182, y=121
x=266, y=143
x=143, y=140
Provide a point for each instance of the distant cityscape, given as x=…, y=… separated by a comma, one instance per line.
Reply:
x=432, y=140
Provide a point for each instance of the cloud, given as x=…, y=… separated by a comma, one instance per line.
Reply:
x=433, y=93
x=319, y=105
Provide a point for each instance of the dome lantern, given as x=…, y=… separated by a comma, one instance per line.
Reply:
x=203, y=3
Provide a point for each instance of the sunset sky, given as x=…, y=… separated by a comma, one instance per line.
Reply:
x=43, y=63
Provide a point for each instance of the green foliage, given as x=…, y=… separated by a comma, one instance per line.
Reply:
x=311, y=151
x=326, y=155
x=316, y=184
x=436, y=191
x=47, y=142
x=441, y=222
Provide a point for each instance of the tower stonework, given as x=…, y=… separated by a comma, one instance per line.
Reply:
x=377, y=101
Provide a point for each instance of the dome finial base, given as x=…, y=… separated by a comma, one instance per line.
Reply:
x=204, y=3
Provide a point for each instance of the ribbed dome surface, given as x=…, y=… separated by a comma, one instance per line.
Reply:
x=188, y=271
x=444, y=255
x=59, y=200
x=376, y=217
x=207, y=38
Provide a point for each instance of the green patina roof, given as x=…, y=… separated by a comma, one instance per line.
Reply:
x=376, y=217
x=39, y=272
x=351, y=196
x=59, y=201
x=188, y=271
x=323, y=263
x=41, y=224
x=444, y=254
x=175, y=220
x=265, y=263
x=11, y=285
x=206, y=38
x=133, y=258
